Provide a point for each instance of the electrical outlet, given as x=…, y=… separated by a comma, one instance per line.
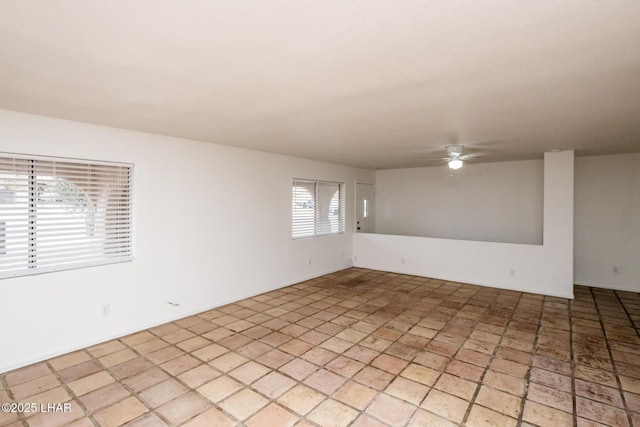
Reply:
x=512, y=272
x=309, y=261
x=402, y=261
x=106, y=310
x=615, y=269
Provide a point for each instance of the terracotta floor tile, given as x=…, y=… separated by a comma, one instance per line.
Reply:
x=180, y=364
x=164, y=354
x=239, y=325
x=131, y=367
x=199, y=375
x=150, y=346
x=192, y=344
x=103, y=397
x=183, y=408
x=137, y=338
x=378, y=344
x=106, y=348
x=325, y=381
x=551, y=379
x=465, y=370
x=120, y=413
x=272, y=415
x=542, y=415
x=420, y=374
x=633, y=401
x=253, y=349
x=26, y=374
x=602, y=394
x=216, y=390
x=54, y=395
x=80, y=370
x=55, y=419
x=314, y=337
x=163, y=392
x=550, y=364
x=69, y=359
x=376, y=378
x=367, y=421
x=445, y=405
x=146, y=420
x=295, y=347
x=336, y=345
x=165, y=329
x=90, y=383
x=319, y=356
x=473, y=357
x=301, y=399
x=117, y=357
x=345, y=366
x=630, y=384
x=514, y=369
x=499, y=401
x=34, y=386
x=209, y=352
x=355, y=395
x=211, y=417
x=601, y=413
x=244, y=404
x=218, y=334
x=424, y=418
x=351, y=335
x=298, y=369
x=228, y=362
x=483, y=417
x=361, y=354
x=431, y=360
x=391, y=410
x=550, y=397
x=249, y=372
x=10, y=419
x=391, y=364
x=145, y=379
x=274, y=359
x=456, y=386
x=273, y=384
x=331, y=413
x=407, y=390
x=233, y=341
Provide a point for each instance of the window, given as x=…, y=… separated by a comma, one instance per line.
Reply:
x=59, y=214
x=318, y=208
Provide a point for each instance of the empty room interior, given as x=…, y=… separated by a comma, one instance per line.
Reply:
x=332, y=213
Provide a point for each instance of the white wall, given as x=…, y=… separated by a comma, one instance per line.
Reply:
x=213, y=225
x=607, y=221
x=491, y=202
x=545, y=269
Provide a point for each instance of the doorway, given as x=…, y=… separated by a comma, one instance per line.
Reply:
x=365, y=209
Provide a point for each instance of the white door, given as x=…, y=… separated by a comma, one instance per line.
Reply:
x=365, y=219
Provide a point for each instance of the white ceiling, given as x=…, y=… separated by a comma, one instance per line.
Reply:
x=368, y=83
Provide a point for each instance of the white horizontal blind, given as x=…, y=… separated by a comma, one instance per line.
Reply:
x=58, y=214
x=317, y=208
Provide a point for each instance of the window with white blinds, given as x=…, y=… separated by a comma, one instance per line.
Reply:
x=317, y=208
x=59, y=214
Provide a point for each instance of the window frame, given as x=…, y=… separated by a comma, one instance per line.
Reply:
x=124, y=222
x=317, y=206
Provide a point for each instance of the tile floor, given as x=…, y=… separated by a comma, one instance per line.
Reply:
x=358, y=348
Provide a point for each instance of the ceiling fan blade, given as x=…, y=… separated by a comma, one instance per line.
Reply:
x=433, y=158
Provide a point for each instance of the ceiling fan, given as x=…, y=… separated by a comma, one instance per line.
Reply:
x=455, y=156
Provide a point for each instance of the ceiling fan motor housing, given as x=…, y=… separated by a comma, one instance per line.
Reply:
x=454, y=151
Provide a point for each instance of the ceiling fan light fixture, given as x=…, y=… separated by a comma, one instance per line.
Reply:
x=455, y=164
